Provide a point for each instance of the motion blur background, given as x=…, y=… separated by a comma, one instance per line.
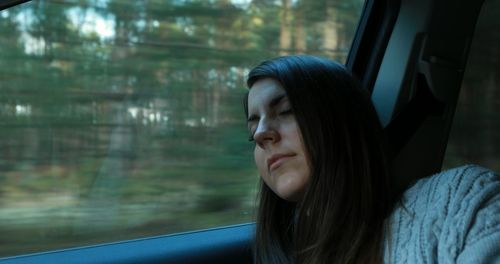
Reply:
x=123, y=119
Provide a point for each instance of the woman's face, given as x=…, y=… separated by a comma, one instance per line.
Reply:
x=279, y=150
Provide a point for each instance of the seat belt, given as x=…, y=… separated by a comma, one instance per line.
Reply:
x=406, y=123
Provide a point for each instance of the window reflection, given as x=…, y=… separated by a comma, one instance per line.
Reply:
x=475, y=132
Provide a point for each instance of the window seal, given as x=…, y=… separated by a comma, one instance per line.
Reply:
x=227, y=244
x=371, y=39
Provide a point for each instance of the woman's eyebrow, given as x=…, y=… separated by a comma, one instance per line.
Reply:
x=275, y=101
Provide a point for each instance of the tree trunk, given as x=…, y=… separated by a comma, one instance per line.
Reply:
x=330, y=31
x=300, y=32
x=285, y=27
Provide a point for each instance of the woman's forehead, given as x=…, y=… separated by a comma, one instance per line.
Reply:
x=263, y=92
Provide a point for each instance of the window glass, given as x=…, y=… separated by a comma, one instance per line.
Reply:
x=475, y=134
x=123, y=119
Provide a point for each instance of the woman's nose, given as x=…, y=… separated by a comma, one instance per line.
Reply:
x=266, y=133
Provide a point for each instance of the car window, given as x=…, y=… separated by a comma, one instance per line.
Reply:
x=124, y=119
x=475, y=133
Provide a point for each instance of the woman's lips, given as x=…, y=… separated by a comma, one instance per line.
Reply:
x=276, y=160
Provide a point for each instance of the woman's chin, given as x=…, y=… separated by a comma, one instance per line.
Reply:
x=290, y=195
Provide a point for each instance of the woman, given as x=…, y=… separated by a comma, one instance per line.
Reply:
x=325, y=196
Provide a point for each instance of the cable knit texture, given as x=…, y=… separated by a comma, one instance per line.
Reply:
x=450, y=217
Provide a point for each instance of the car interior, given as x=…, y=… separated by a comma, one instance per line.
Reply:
x=411, y=55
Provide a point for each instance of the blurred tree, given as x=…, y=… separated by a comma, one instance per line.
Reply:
x=132, y=111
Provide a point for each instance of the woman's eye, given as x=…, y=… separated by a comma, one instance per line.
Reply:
x=251, y=134
x=286, y=112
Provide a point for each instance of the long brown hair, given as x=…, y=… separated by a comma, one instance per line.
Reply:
x=341, y=217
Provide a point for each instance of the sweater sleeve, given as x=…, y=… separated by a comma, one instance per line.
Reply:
x=478, y=207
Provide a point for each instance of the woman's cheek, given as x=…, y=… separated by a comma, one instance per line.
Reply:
x=260, y=161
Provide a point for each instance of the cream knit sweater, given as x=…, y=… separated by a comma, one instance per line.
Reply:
x=450, y=217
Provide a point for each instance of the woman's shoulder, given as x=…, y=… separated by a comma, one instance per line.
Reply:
x=452, y=216
x=462, y=184
x=456, y=196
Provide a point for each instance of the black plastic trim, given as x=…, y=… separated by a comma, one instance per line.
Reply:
x=10, y=3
